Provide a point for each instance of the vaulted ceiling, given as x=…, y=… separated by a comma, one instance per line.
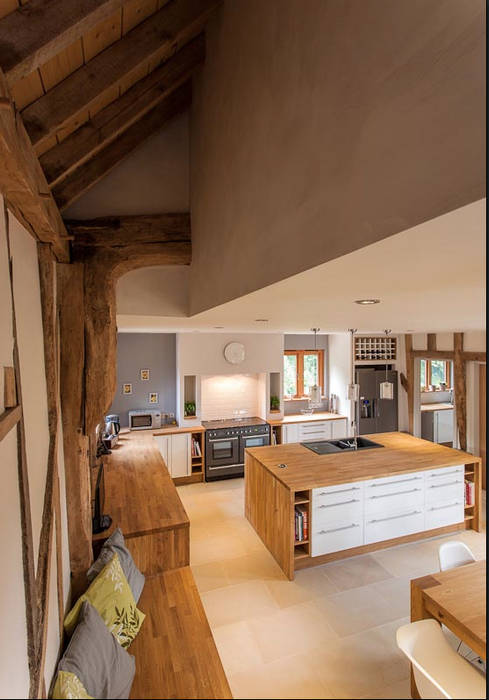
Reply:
x=91, y=80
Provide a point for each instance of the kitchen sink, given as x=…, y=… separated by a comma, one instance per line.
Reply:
x=324, y=447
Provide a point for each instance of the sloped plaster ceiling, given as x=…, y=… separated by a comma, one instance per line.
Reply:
x=320, y=127
x=153, y=179
x=429, y=278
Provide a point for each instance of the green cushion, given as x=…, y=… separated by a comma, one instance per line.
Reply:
x=111, y=595
x=115, y=544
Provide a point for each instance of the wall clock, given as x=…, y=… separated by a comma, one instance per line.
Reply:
x=234, y=353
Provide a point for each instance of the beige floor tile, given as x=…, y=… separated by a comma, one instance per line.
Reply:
x=419, y=558
x=316, y=581
x=401, y=689
x=210, y=549
x=285, y=678
x=258, y=565
x=237, y=647
x=356, y=572
x=289, y=629
x=243, y=601
x=355, y=610
x=210, y=576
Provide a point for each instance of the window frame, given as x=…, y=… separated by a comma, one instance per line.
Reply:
x=299, y=354
x=428, y=374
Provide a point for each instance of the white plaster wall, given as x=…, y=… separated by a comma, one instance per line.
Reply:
x=31, y=354
x=14, y=674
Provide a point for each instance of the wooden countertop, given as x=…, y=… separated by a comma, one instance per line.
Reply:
x=300, y=418
x=140, y=495
x=168, y=430
x=436, y=407
x=402, y=453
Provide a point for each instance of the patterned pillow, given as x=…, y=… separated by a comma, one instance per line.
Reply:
x=69, y=686
x=111, y=595
x=115, y=544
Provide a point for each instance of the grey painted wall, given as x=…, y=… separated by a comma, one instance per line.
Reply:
x=153, y=351
x=293, y=341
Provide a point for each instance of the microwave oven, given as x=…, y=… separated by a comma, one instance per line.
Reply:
x=144, y=420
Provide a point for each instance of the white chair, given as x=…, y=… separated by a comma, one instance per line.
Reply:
x=438, y=670
x=452, y=554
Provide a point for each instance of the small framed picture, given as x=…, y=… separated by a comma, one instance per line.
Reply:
x=153, y=397
x=127, y=389
x=144, y=375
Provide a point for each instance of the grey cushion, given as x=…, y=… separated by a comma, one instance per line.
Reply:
x=95, y=656
x=115, y=545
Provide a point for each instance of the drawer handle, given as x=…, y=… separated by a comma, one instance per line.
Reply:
x=401, y=481
x=337, y=529
x=341, y=503
x=328, y=493
x=394, y=517
x=396, y=493
x=437, y=476
x=440, y=486
x=450, y=505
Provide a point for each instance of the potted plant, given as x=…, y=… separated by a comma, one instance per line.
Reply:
x=274, y=403
x=189, y=409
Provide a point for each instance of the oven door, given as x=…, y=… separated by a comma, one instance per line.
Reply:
x=221, y=452
x=252, y=441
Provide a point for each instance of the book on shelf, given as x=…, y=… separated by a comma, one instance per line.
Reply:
x=301, y=523
x=274, y=437
x=196, y=451
x=469, y=493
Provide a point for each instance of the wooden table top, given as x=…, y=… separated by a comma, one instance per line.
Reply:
x=166, y=430
x=436, y=407
x=140, y=495
x=402, y=453
x=301, y=418
x=457, y=598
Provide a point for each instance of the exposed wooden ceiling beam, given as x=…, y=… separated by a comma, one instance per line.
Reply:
x=22, y=180
x=116, y=231
x=158, y=37
x=93, y=170
x=107, y=124
x=39, y=30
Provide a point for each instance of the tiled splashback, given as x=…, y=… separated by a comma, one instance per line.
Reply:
x=223, y=394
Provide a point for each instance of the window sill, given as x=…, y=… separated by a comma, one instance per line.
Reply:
x=303, y=398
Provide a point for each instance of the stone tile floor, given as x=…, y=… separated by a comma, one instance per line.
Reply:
x=330, y=633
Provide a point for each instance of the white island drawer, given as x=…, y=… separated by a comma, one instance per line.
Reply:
x=444, y=514
x=338, y=507
x=336, y=537
x=388, y=527
x=393, y=484
x=326, y=494
x=405, y=497
x=451, y=488
x=435, y=475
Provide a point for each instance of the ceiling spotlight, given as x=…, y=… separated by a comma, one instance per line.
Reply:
x=261, y=320
x=219, y=328
x=367, y=302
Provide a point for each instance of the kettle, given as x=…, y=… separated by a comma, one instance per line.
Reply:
x=112, y=427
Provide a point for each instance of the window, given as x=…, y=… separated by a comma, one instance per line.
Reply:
x=433, y=373
x=302, y=369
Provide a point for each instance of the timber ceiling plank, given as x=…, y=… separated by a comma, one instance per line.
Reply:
x=162, y=34
x=39, y=30
x=107, y=124
x=85, y=176
x=22, y=180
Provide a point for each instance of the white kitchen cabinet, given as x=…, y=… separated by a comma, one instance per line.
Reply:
x=314, y=430
x=339, y=429
x=176, y=451
x=290, y=433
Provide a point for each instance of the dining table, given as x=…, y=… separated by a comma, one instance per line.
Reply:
x=457, y=599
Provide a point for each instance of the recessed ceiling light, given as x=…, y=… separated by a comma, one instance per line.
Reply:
x=218, y=327
x=261, y=320
x=367, y=302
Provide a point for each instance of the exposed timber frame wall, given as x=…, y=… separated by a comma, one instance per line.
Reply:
x=103, y=250
x=460, y=358
x=46, y=537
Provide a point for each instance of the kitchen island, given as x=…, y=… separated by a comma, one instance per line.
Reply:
x=357, y=501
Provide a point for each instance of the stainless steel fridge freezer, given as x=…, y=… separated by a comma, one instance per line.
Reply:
x=377, y=415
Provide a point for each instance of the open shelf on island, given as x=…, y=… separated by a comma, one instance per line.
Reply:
x=301, y=551
x=297, y=543
x=301, y=497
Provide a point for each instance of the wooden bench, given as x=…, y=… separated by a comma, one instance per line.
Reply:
x=176, y=656
x=175, y=652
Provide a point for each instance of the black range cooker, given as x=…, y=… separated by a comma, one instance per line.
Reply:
x=226, y=441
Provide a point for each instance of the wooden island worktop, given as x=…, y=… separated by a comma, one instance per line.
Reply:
x=272, y=492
